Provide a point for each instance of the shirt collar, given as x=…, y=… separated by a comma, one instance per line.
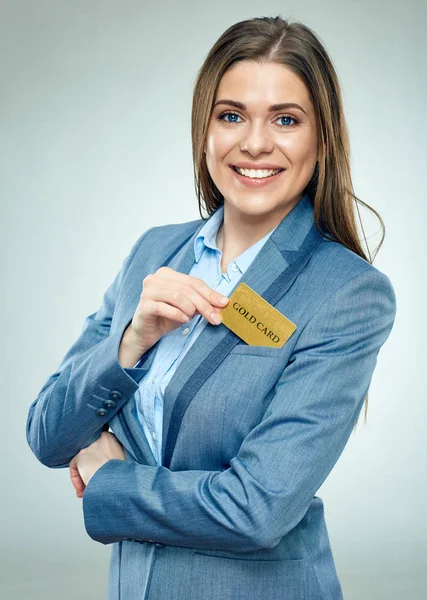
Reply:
x=207, y=234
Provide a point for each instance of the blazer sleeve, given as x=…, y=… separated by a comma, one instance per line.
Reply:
x=88, y=388
x=281, y=463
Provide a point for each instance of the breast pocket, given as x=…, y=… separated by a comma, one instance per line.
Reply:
x=243, y=348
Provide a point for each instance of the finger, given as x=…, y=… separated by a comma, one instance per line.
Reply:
x=205, y=299
x=170, y=292
x=212, y=296
x=76, y=479
x=162, y=309
x=77, y=482
x=188, y=298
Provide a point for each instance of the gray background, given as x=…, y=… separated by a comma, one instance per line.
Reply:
x=95, y=101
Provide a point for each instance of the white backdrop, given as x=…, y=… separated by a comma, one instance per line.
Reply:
x=95, y=99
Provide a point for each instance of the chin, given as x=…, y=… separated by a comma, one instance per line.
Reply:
x=253, y=205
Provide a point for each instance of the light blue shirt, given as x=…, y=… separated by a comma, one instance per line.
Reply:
x=173, y=346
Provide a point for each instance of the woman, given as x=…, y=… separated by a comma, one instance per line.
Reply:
x=206, y=483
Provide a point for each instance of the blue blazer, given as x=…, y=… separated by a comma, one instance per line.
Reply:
x=250, y=433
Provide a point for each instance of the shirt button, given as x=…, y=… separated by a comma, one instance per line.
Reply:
x=234, y=267
x=186, y=331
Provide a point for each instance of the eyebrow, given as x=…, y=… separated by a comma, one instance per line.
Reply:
x=271, y=108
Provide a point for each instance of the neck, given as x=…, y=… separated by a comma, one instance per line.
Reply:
x=239, y=231
x=236, y=236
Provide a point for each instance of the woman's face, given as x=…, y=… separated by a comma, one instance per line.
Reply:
x=247, y=130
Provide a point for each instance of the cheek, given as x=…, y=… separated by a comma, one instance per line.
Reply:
x=218, y=145
x=299, y=149
x=211, y=146
x=211, y=157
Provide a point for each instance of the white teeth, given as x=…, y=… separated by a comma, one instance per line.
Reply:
x=258, y=173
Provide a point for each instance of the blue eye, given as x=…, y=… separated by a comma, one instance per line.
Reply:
x=234, y=116
x=228, y=114
x=288, y=117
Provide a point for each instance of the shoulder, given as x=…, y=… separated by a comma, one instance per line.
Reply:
x=342, y=275
x=341, y=302
x=158, y=242
x=161, y=236
x=336, y=265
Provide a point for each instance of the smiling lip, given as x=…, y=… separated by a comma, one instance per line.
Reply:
x=257, y=166
x=256, y=181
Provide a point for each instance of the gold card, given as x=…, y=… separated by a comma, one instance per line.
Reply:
x=255, y=320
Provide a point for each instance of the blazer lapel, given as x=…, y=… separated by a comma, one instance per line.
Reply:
x=271, y=274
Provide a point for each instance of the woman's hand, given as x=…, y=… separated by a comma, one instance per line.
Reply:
x=168, y=300
x=90, y=459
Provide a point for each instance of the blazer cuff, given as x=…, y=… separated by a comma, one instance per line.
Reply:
x=136, y=372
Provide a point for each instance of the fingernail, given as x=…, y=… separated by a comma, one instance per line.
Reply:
x=215, y=318
x=222, y=300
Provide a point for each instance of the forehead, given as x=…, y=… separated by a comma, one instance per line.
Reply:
x=263, y=84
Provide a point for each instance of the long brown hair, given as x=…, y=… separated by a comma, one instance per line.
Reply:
x=296, y=46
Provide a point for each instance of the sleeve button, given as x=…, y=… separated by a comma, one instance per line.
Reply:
x=114, y=395
x=101, y=412
x=109, y=404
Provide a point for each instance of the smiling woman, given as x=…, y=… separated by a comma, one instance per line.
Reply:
x=284, y=111
x=206, y=484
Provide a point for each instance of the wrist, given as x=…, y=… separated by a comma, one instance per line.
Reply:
x=130, y=351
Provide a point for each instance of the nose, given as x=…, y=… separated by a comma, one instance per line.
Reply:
x=255, y=140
